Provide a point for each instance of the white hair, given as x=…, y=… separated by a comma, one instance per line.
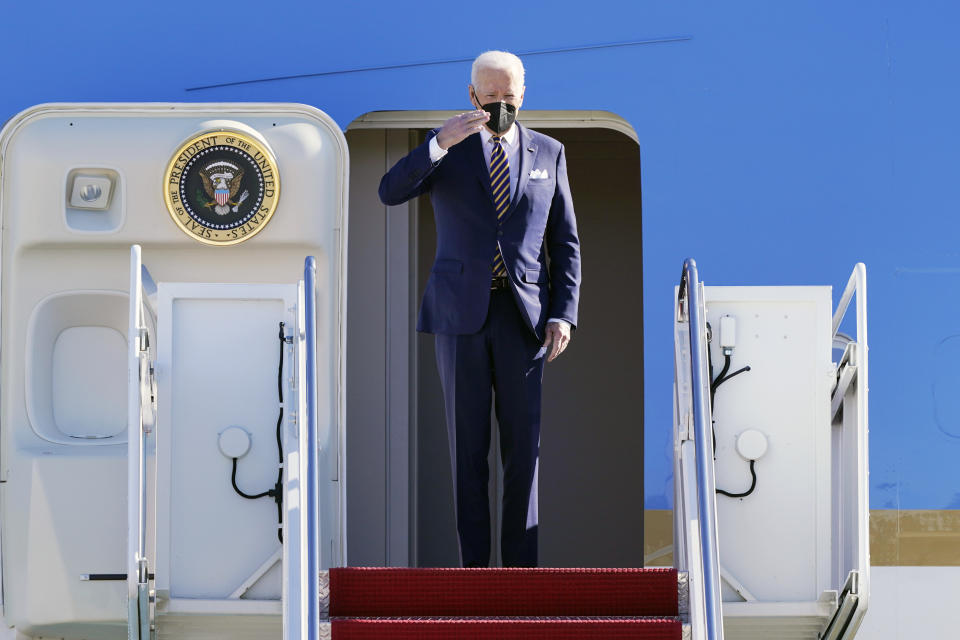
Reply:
x=496, y=60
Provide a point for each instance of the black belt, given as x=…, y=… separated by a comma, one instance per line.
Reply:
x=498, y=282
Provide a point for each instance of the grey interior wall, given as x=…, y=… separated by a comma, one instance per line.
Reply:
x=379, y=357
x=591, y=454
x=591, y=469
x=366, y=342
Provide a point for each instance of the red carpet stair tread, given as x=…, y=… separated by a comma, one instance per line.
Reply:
x=394, y=603
x=506, y=629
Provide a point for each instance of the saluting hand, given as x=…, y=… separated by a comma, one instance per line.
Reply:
x=459, y=127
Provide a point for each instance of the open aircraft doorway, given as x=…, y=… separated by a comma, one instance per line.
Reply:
x=400, y=508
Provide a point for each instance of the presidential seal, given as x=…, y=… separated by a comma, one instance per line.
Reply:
x=222, y=187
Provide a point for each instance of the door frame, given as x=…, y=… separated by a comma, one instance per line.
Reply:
x=401, y=355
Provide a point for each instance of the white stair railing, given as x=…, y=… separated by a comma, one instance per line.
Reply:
x=301, y=594
x=310, y=528
x=696, y=547
x=843, y=578
x=851, y=507
x=141, y=415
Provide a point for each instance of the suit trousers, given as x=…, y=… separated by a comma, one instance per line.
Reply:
x=503, y=364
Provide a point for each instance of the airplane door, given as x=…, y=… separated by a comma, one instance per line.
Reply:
x=185, y=512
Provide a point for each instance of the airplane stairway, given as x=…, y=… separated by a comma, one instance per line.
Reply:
x=367, y=603
x=751, y=566
x=771, y=501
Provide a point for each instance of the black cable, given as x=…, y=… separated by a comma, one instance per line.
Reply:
x=722, y=377
x=753, y=485
x=719, y=380
x=277, y=491
x=734, y=374
x=713, y=393
x=278, y=488
x=233, y=481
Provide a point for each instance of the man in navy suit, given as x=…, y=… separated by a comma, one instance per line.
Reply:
x=502, y=294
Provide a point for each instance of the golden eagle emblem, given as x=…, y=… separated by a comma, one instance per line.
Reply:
x=221, y=181
x=221, y=187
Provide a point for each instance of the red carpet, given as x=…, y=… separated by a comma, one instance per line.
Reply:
x=376, y=592
x=505, y=604
x=505, y=629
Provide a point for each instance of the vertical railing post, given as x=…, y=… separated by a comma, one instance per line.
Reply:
x=852, y=569
x=706, y=483
x=139, y=375
x=135, y=455
x=310, y=541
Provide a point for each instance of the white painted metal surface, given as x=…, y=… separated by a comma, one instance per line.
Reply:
x=69, y=331
x=784, y=336
x=64, y=503
x=217, y=367
x=690, y=532
x=794, y=549
x=908, y=603
x=851, y=456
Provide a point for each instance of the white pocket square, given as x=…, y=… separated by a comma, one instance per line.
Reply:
x=538, y=174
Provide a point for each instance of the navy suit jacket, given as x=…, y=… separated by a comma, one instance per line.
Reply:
x=539, y=222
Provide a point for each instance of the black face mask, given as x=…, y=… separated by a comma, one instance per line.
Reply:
x=502, y=115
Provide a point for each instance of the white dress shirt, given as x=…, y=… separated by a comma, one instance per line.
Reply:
x=510, y=141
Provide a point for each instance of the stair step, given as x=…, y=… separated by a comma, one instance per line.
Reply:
x=394, y=592
x=584, y=628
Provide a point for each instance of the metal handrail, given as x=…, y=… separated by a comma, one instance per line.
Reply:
x=857, y=586
x=138, y=616
x=856, y=284
x=310, y=542
x=690, y=293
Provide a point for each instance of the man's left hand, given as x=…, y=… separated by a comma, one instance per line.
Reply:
x=556, y=340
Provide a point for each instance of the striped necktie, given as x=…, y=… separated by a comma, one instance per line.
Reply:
x=500, y=187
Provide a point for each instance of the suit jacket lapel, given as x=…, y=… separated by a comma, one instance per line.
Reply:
x=526, y=159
